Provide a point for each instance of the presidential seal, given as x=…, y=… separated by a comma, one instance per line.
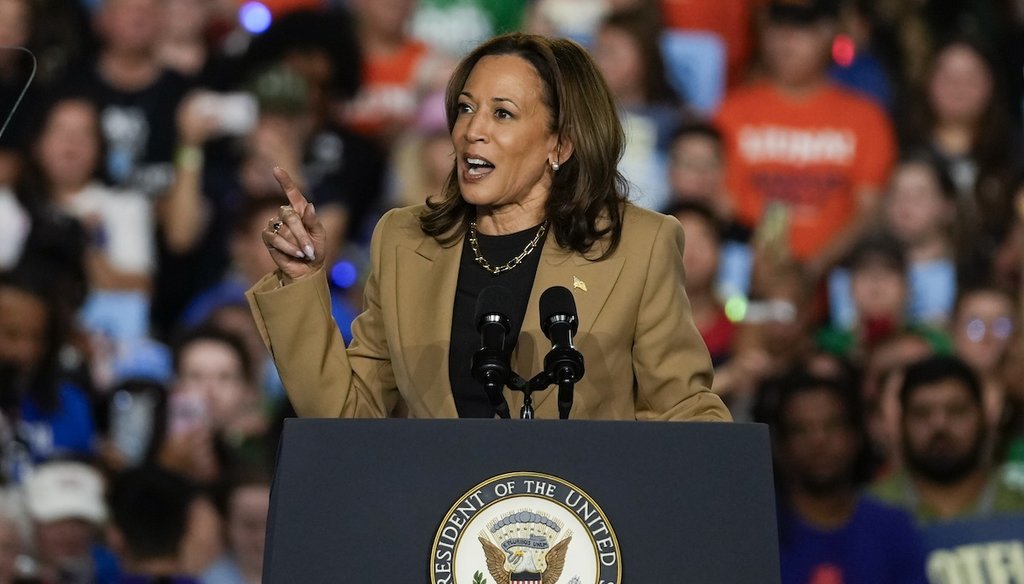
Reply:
x=525, y=527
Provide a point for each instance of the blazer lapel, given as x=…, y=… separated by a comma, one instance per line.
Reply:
x=591, y=284
x=426, y=277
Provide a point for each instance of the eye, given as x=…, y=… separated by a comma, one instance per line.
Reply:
x=503, y=114
x=463, y=108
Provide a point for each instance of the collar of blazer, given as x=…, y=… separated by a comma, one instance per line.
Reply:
x=427, y=274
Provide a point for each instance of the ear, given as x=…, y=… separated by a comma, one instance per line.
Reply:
x=562, y=151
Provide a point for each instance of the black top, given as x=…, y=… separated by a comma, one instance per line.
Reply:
x=470, y=399
x=139, y=127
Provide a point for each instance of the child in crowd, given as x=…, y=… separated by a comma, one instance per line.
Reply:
x=920, y=212
x=878, y=287
x=700, y=262
x=696, y=174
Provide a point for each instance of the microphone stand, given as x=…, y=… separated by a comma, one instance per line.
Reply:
x=540, y=382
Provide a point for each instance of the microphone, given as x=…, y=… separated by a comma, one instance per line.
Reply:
x=563, y=363
x=490, y=363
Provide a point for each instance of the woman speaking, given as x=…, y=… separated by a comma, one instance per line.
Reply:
x=533, y=201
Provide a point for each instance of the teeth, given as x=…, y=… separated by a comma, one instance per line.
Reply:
x=478, y=162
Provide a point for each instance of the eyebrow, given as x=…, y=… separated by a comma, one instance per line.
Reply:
x=494, y=99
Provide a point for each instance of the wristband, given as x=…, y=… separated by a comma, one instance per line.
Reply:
x=188, y=158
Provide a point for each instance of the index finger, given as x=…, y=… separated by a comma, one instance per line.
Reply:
x=295, y=198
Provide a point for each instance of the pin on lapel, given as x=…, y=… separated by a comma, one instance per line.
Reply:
x=577, y=283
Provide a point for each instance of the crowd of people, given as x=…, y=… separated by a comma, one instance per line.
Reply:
x=848, y=175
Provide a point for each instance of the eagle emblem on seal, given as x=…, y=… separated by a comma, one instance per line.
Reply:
x=523, y=547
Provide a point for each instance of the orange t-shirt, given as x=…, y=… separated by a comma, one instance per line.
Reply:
x=812, y=154
x=388, y=91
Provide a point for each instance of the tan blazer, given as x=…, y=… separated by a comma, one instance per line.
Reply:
x=644, y=358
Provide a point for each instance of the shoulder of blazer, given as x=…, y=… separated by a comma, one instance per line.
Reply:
x=403, y=219
x=641, y=227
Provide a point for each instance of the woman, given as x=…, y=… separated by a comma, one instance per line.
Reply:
x=47, y=414
x=119, y=254
x=533, y=201
x=628, y=55
x=962, y=118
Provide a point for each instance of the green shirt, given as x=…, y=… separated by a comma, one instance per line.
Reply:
x=1003, y=494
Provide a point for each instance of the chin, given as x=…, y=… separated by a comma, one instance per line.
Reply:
x=476, y=196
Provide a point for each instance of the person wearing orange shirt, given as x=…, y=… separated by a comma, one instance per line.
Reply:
x=807, y=155
x=395, y=70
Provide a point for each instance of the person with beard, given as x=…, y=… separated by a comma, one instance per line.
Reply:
x=948, y=471
x=829, y=531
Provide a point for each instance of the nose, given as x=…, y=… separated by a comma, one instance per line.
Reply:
x=476, y=128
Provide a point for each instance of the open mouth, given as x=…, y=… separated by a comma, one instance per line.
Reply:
x=478, y=167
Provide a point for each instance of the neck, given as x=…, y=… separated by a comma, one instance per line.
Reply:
x=826, y=511
x=931, y=247
x=950, y=500
x=800, y=88
x=508, y=218
x=65, y=192
x=954, y=137
x=128, y=70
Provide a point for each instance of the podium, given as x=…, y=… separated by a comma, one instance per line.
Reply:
x=553, y=502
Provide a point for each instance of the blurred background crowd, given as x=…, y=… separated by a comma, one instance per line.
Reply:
x=848, y=174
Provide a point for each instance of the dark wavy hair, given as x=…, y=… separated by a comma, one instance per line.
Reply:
x=644, y=29
x=587, y=193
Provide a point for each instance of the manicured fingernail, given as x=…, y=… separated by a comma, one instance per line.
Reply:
x=300, y=255
x=309, y=251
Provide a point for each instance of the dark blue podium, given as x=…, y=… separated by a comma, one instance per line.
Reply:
x=471, y=501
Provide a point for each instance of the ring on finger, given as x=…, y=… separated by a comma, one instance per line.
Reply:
x=276, y=226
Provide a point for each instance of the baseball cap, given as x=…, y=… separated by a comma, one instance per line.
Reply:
x=802, y=11
x=65, y=490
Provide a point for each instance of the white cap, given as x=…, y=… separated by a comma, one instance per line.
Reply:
x=65, y=490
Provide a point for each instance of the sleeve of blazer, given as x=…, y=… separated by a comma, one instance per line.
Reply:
x=322, y=377
x=671, y=363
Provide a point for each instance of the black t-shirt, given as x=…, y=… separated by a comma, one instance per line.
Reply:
x=139, y=128
x=470, y=399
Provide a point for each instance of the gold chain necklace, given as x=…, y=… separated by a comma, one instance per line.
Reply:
x=480, y=259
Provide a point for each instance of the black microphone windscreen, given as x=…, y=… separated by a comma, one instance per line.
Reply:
x=493, y=300
x=556, y=300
